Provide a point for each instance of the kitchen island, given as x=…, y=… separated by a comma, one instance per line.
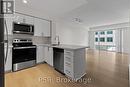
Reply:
x=74, y=60
x=71, y=61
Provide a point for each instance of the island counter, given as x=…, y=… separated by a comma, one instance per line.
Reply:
x=74, y=60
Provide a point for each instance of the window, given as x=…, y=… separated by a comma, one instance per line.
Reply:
x=102, y=33
x=109, y=39
x=102, y=39
x=96, y=39
x=109, y=32
x=96, y=33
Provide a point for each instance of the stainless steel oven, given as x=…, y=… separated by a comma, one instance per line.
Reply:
x=24, y=54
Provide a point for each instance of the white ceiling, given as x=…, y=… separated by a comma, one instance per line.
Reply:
x=54, y=8
x=90, y=12
x=101, y=12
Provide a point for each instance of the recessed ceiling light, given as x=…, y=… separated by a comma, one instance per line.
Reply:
x=25, y=1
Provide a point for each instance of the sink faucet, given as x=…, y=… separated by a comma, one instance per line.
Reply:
x=57, y=38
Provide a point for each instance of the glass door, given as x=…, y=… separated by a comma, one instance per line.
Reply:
x=105, y=40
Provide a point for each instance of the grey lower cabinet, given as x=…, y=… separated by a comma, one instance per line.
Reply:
x=74, y=63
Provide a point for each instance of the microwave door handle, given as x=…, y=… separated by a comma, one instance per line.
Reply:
x=30, y=28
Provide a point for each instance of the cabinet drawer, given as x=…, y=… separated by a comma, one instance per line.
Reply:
x=68, y=59
x=68, y=64
x=68, y=73
x=68, y=53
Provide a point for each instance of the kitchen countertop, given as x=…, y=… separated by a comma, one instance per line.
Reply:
x=71, y=47
x=48, y=45
x=64, y=46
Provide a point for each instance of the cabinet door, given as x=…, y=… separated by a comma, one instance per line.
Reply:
x=29, y=20
x=38, y=27
x=40, y=54
x=42, y=27
x=19, y=18
x=8, y=64
x=46, y=53
x=49, y=55
x=46, y=28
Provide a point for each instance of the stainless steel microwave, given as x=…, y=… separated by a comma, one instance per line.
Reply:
x=21, y=28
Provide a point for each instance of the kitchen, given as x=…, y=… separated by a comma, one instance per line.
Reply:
x=24, y=52
x=46, y=41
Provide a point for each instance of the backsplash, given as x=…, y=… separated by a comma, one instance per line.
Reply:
x=36, y=39
x=41, y=40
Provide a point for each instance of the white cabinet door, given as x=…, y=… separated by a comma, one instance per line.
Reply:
x=8, y=64
x=46, y=53
x=42, y=27
x=40, y=54
x=53, y=33
x=38, y=27
x=23, y=19
x=29, y=20
x=46, y=28
x=49, y=55
x=19, y=18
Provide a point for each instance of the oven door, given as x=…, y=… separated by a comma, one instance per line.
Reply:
x=23, y=54
x=23, y=57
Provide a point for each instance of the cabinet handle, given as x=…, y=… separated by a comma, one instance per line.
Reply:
x=68, y=57
x=68, y=64
x=48, y=48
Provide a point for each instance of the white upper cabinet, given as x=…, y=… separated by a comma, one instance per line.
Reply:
x=42, y=27
x=38, y=30
x=23, y=19
x=47, y=28
x=19, y=18
x=29, y=20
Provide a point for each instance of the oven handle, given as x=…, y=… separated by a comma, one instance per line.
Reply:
x=24, y=47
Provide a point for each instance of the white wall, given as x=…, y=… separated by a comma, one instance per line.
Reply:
x=72, y=34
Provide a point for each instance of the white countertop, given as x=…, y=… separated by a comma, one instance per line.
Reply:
x=64, y=46
x=72, y=47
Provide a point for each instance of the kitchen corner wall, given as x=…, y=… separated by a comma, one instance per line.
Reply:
x=72, y=34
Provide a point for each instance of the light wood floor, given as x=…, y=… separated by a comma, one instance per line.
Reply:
x=104, y=69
